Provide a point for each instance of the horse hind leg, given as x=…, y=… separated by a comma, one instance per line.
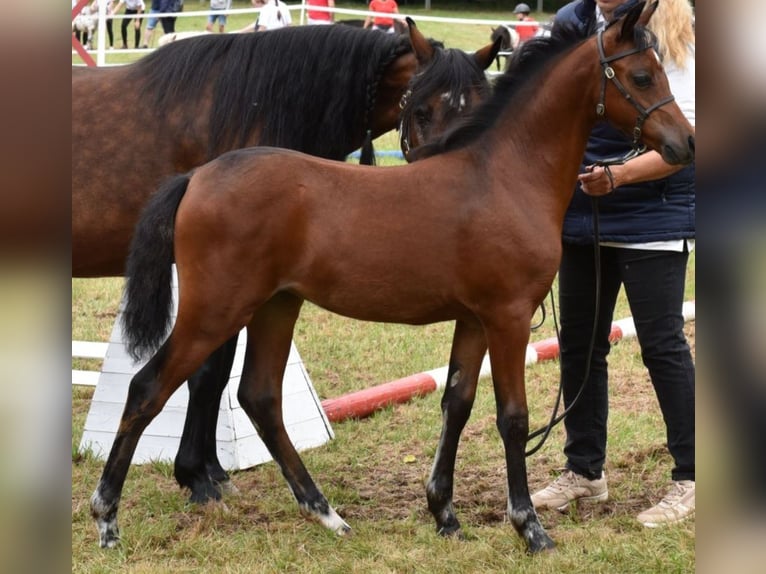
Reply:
x=182, y=354
x=260, y=393
x=196, y=465
x=148, y=392
x=468, y=348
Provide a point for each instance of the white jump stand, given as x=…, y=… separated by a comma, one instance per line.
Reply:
x=239, y=446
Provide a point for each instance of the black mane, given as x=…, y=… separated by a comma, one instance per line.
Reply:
x=525, y=64
x=292, y=83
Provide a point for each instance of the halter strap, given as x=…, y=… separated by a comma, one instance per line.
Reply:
x=404, y=126
x=609, y=74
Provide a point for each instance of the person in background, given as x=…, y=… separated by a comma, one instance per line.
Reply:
x=274, y=15
x=217, y=5
x=383, y=23
x=169, y=7
x=109, y=21
x=320, y=16
x=522, y=15
x=151, y=23
x=647, y=229
x=132, y=7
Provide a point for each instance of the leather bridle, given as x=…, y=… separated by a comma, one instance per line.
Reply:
x=609, y=74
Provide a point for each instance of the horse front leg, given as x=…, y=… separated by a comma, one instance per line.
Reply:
x=260, y=393
x=507, y=339
x=468, y=348
x=197, y=466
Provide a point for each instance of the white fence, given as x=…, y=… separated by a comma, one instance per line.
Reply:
x=101, y=51
x=87, y=350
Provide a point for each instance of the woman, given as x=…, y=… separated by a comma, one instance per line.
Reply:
x=646, y=219
x=383, y=23
x=274, y=15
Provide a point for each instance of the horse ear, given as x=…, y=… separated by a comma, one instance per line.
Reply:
x=486, y=55
x=647, y=13
x=422, y=47
x=629, y=21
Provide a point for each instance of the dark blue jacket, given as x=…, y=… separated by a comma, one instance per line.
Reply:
x=656, y=210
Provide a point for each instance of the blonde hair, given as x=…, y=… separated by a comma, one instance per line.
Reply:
x=673, y=23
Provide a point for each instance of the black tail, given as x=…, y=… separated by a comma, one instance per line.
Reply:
x=148, y=294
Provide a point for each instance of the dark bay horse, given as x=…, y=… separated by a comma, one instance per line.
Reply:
x=471, y=234
x=316, y=89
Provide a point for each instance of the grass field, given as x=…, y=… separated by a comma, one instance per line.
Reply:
x=375, y=470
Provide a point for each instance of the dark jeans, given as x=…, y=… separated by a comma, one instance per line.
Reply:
x=654, y=284
x=168, y=24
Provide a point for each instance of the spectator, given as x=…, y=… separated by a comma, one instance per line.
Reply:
x=109, y=21
x=132, y=7
x=383, y=23
x=151, y=23
x=522, y=15
x=274, y=15
x=217, y=5
x=647, y=230
x=319, y=16
x=169, y=7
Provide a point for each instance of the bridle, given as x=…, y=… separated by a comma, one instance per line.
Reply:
x=637, y=147
x=404, y=123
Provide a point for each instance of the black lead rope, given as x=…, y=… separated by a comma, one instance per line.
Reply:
x=555, y=417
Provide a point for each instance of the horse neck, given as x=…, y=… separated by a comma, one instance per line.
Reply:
x=549, y=133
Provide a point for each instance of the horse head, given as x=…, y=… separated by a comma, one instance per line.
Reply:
x=449, y=85
x=634, y=90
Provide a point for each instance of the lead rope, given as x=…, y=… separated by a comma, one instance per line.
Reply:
x=555, y=417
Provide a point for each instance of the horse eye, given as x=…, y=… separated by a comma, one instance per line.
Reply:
x=642, y=80
x=423, y=115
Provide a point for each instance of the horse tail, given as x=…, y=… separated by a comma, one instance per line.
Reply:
x=148, y=296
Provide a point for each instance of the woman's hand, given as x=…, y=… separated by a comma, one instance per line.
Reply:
x=599, y=180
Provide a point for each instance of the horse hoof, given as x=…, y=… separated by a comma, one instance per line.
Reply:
x=227, y=487
x=203, y=492
x=108, y=533
x=540, y=543
x=451, y=531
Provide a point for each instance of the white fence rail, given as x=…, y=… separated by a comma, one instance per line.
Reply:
x=87, y=350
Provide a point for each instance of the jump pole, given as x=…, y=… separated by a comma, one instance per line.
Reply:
x=363, y=403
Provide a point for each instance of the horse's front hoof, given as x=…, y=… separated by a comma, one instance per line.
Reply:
x=450, y=528
x=539, y=543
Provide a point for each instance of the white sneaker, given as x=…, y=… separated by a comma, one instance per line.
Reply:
x=677, y=505
x=569, y=487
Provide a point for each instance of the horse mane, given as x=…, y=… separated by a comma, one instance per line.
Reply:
x=285, y=82
x=525, y=64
